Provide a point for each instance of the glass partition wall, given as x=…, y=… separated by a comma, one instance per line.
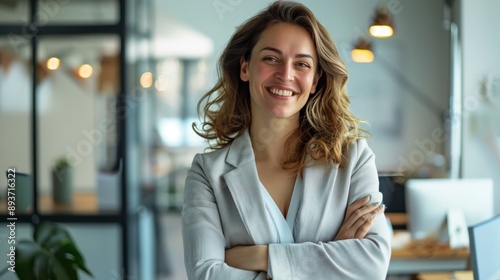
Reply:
x=68, y=76
x=82, y=81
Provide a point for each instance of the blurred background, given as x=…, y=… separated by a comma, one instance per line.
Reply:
x=112, y=87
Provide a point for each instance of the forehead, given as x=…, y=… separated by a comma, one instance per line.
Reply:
x=287, y=38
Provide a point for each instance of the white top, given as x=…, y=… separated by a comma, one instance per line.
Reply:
x=282, y=229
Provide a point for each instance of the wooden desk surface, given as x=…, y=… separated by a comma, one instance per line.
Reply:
x=457, y=275
x=426, y=249
x=420, y=249
x=417, y=256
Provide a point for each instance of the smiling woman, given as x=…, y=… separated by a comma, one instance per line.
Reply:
x=292, y=180
x=281, y=73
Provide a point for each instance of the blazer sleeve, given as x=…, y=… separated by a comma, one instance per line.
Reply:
x=366, y=258
x=203, y=238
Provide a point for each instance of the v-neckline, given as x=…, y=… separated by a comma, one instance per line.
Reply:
x=293, y=206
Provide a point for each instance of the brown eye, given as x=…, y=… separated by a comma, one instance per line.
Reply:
x=303, y=64
x=270, y=59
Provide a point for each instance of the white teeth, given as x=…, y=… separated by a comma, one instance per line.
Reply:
x=281, y=92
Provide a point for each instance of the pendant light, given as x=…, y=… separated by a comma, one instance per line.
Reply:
x=362, y=52
x=382, y=26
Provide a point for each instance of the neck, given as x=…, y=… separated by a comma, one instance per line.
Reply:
x=269, y=137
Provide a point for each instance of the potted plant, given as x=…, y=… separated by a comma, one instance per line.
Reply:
x=62, y=180
x=52, y=254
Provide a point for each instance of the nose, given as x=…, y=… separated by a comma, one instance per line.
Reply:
x=285, y=72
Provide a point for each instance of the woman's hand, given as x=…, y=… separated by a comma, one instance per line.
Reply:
x=253, y=258
x=359, y=219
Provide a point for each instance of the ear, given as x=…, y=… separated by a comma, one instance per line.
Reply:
x=315, y=82
x=243, y=70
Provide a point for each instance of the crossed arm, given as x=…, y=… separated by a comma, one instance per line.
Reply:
x=358, y=220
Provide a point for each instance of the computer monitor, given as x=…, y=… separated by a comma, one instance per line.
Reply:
x=484, y=248
x=428, y=202
x=391, y=185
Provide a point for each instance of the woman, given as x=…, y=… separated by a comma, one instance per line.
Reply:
x=281, y=195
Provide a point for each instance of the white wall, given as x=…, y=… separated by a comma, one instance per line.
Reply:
x=419, y=51
x=481, y=133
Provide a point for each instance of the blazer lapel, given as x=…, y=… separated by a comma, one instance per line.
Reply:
x=316, y=201
x=243, y=183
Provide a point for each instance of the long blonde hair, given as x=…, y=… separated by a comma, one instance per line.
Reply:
x=326, y=125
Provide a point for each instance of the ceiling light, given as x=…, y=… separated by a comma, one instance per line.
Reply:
x=382, y=26
x=53, y=63
x=362, y=52
x=85, y=71
x=146, y=80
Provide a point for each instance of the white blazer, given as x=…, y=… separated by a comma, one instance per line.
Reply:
x=223, y=208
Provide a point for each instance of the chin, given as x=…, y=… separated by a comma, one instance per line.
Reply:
x=284, y=115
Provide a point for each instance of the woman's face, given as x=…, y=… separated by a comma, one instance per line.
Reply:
x=281, y=72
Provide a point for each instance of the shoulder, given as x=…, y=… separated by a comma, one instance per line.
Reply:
x=359, y=153
x=212, y=158
x=359, y=147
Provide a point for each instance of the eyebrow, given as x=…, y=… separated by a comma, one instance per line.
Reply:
x=300, y=55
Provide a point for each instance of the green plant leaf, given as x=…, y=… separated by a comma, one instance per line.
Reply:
x=72, y=254
x=56, y=240
x=26, y=250
x=51, y=237
x=64, y=269
x=61, y=163
x=53, y=255
x=41, y=265
x=42, y=232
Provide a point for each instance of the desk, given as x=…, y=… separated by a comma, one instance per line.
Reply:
x=425, y=256
x=457, y=275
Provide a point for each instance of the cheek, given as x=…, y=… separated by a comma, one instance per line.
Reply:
x=307, y=82
x=262, y=71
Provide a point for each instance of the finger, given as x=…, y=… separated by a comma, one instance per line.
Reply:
x=378, y=210
x=355, y=206
x=365, y=228
x=357, y=214
x=351, y=209
x=364, y=224
x=359, y=227
x=358, y=223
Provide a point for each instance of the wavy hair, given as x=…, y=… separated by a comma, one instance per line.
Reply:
x=326, y=125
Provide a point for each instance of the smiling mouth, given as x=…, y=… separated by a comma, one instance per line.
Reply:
x=281, y=92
